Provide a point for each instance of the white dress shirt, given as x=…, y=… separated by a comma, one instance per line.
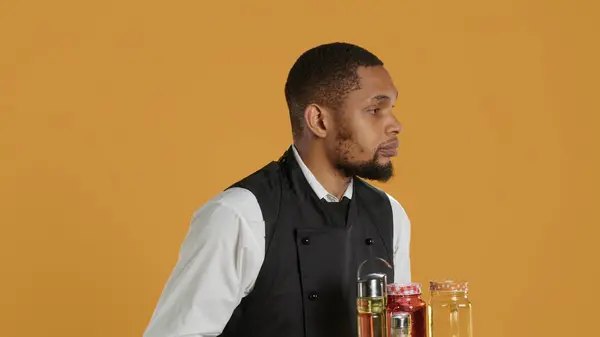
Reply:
x=222, y=254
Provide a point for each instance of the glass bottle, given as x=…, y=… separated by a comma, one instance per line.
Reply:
x=406, y=298
x=371, y=305
x=372, y=297
x=449, y=309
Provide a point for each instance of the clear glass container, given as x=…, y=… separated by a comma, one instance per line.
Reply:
x=406, y=298
x=449, y=309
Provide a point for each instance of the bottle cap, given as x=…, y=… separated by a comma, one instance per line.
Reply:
x=372, y=285
x=404, y=289
x=401, y=321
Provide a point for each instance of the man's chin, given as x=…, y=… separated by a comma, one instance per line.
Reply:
x=373, y=170
x=382, y=172
x=378, y=178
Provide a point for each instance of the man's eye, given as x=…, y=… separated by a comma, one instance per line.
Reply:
x=374, y=111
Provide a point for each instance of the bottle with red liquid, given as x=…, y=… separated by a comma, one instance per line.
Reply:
x=406, y=298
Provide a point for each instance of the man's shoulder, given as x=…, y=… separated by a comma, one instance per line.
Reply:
x=245, y=197
x=238, y=200
x=396, y=205
x=235, y=196
x=374, y=190
x=260, y=178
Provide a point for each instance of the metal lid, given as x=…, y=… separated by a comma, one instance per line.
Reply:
x=372, y=285
x=449, y=285
x=401, y=321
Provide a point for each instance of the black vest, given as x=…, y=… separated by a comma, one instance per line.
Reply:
x=307, y=284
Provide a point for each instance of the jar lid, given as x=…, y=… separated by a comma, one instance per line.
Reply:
x=401, y=321
x=404, y=289
x=449, y=285
x=372, y=285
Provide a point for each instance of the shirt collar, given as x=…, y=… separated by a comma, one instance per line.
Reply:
x=316, y=186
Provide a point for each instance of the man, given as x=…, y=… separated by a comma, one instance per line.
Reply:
x=276, y=254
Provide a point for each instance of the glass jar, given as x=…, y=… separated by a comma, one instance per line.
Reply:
x=406, y=298
x=449, y=309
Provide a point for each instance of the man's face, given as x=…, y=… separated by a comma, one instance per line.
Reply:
x=365, y=136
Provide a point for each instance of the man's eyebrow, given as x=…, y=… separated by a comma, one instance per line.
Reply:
x=381, y=98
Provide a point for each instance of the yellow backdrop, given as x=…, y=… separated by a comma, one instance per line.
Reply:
x=119, y=118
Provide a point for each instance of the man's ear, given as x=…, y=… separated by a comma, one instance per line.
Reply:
x=317, y=120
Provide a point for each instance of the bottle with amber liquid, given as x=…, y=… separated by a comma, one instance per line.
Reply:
x=371, y=306
x=449, y=309
x=406, y=298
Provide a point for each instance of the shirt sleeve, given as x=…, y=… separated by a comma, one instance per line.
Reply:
x=402, y=272
x=218, y=264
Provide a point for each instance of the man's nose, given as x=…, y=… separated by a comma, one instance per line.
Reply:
x=394, y=127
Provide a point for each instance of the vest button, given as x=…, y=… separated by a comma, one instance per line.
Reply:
x=369, y=241
x=313, y=296
x=305, y=241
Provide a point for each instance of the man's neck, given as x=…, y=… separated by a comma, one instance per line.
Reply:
x=325, y=173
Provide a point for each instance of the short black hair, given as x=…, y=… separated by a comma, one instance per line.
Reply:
x=324, y=75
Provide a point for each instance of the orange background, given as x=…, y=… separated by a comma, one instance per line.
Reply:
x=119, y=118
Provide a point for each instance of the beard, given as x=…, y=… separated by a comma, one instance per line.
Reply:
x=370, y=169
